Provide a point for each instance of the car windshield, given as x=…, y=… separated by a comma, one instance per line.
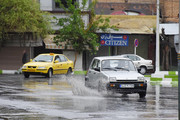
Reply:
x=117, y=65
x=43, y=58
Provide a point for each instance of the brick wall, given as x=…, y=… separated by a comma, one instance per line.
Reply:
x=170, y=10
x=128, y=1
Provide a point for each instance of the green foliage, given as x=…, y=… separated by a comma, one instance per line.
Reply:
x=23, y=16
x=73, y=30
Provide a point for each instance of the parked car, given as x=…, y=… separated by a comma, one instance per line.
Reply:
x=116, y=75
x=48, y=64
x=142, y=64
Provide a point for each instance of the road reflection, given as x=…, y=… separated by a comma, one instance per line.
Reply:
x=66, y=97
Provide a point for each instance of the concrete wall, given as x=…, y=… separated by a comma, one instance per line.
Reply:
x=71, y=56
x=141, y=50
x=11, y=57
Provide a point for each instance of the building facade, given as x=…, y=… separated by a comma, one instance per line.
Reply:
x=135, y=18
x=137, y=29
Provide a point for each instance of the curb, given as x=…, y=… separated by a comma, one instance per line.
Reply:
x=163, y=78
x=10, y=72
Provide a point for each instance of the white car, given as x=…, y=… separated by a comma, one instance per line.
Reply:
x=142, y=64
x=115, y=74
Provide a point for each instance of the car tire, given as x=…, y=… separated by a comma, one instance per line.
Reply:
x=69, y=71
x=50, y=73
x=26, y=75
x=99, y=87
x=143, y=70
x=142, y=94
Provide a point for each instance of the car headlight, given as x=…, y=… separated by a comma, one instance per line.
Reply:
x=142, y=79
x=112, y=79
x=41, y=67
x=23, y=67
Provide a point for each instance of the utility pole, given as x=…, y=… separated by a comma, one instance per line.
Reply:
x=157, y=37
x=178, y=57
x=177, y=47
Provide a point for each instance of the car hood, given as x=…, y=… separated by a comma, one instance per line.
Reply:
x=123, y=75
x=37, y=64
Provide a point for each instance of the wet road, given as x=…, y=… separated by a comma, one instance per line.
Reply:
x=66, y=98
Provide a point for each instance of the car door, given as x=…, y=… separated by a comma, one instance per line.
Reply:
x=136, y=60
x=93, y=74
x=57, y=65
x=64, y=64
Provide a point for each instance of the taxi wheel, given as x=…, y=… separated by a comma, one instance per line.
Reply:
x=49, y=74
x=69, y=71
x=26, y=75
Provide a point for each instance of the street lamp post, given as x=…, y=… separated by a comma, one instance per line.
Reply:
x=157, y=37
x=177, y=47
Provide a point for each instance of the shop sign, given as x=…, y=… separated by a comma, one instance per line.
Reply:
x=114, y=40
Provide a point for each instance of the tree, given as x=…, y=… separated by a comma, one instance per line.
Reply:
x=22, y=16
x=73, y=30
x=165, y=47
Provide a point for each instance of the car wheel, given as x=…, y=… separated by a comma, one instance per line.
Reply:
x=26, y=75
x=99, y=87
x=50, y=73
x=142, y=94
x=86, y=82
x=69, y=71
x=143, y=70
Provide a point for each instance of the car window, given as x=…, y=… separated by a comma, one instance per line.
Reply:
x=133, y=58
x=57, y=58
x=63, y=59
x=137, y=58
x=43, y=58
x=114, y=65
x=95, y=64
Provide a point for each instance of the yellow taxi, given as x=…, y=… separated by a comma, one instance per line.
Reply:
x=48, y=64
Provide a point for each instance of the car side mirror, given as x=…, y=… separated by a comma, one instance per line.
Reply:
x=97, y=69
x=56, y=61
x=30, y=60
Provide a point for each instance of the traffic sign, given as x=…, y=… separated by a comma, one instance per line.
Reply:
x=136, y=42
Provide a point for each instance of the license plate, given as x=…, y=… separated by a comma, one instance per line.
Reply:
x=31, y=70
x=126, y=85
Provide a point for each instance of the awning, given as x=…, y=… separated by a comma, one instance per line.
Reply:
x=49, y=44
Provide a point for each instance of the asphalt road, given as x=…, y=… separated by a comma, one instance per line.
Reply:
x=66, y=98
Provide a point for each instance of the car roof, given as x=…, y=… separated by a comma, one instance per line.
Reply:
x=110, y=57
x=50, y=54
x=128, y=54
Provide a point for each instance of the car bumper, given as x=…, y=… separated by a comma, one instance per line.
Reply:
x=149, y=67
x=35, y=71
x=127, y=88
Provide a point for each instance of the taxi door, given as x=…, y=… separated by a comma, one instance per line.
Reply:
x=57, y=65
x=64, y=64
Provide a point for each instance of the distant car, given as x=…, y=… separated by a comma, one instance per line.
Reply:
x=48, y=64
x=116, y=75
x=142, y=64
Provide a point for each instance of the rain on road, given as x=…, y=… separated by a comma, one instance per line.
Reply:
x=66, y=98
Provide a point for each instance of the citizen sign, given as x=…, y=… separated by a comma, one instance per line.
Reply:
x=114, y=40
